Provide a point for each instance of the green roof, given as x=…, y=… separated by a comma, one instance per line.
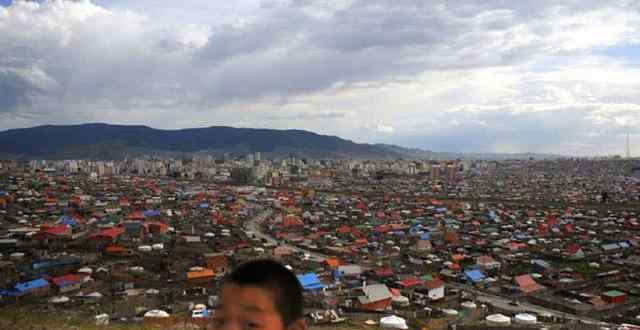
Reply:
x=614, y=293
x=426, y=277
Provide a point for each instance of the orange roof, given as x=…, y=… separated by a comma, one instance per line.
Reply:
x=115, y=249
x=457, y=257
x=201, y=274
x=527, y=284
x=332, y=262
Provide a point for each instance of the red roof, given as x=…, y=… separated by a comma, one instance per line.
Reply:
x=58, y=230
x=434, y=284
x=527, y=284
x=107, y=234
x=573, y=248
x=410, y=282
x=384, y=272
x=69, y=279
x=361, y=242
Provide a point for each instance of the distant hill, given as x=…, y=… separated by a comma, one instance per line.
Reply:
x=104, y=141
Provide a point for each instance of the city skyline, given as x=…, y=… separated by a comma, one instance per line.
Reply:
x=476, y=76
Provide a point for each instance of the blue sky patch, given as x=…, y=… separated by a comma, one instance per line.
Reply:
x=630, y=52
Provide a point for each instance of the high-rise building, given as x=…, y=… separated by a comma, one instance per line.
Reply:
x=101, y=169
x=435, y=173
x=73, y=166
x=451, y=172
x=412, y=169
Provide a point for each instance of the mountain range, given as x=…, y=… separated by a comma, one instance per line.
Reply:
x=105, y=141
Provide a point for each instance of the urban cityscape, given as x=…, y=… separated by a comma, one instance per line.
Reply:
x=320, y=165
x=470, y=243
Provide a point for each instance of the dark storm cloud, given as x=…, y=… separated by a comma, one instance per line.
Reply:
x=14, y=91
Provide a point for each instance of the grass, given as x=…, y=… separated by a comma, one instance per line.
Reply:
x=26, y=318
x=31, y=319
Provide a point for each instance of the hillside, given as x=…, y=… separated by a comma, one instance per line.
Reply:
x=104, y=141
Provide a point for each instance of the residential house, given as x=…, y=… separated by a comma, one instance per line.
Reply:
x=199, y=276
x=435, y=289
x=527, y=285
x=377, y=297
x=68, y=282
x=331, y=264
x=310, y=282
x=108, y=235
x=614, y=297
x=350, y=271
x=474, y=276
x=487, y=263
x=35, y=288
x=218, y=262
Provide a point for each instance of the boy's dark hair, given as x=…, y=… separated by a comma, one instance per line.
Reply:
x=273, y=276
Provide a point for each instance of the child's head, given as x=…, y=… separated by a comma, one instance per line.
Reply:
x=261, y=295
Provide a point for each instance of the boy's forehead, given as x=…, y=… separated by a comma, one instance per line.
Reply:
x=249, y=298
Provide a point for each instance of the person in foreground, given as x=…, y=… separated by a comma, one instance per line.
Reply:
x=260, y=295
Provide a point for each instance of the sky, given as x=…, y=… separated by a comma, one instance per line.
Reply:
x=545, y=76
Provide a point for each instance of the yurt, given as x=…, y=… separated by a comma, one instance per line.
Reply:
x=498, y=319
x=525, y=318
x=393, y=322
x=156, y=313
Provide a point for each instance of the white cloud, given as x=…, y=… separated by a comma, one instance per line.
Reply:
x=466, y=76
x=382, y=128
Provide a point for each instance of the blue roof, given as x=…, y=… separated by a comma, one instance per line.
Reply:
x=204, y=206
x=31, y=285
x=151, y=213
x=67, y=220
x=9, y=293
x=425, y=236
x=310, y=281
x=474, y=275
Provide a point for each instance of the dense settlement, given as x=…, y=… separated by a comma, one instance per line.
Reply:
x=551, y=244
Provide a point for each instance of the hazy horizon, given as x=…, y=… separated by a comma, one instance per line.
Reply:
x=467, y=76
